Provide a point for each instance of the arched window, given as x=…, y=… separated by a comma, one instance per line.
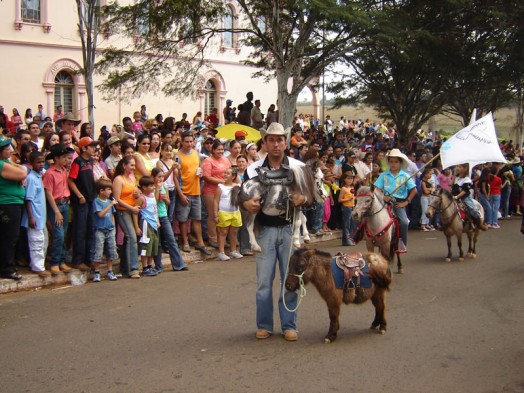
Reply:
x=210, y=97
x=228, y=24
x=64, y=86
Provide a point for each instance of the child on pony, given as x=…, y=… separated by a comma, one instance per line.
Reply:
x=461, y=190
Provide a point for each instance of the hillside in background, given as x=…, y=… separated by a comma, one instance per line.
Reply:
x=504, y=119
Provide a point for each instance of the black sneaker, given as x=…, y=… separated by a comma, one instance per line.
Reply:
x=149, y=271
x=203, y=250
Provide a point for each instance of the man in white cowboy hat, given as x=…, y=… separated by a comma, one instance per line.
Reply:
x=396, y=184
x=275, y=239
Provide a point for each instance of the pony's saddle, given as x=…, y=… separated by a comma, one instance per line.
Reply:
x=462, y=210
x=350, y=271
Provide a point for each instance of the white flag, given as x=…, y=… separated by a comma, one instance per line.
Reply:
x=477, y=143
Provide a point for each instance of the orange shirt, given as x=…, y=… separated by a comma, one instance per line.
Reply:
x=189, y=162
x=346, y=193
x=126, y=195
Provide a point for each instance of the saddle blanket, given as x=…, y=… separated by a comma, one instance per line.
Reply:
x=338, y=276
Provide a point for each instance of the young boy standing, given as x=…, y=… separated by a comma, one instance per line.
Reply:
x=57, y=197
x=149, y=225
x=34, y=215
x=82, y=185
x=104, y=229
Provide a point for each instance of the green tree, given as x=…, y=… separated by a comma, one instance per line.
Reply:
x=292, y=41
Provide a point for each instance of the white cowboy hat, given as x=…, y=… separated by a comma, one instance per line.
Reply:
x=277, y=129
x=397, y=153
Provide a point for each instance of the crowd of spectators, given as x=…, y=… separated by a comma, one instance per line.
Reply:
x=131, y=192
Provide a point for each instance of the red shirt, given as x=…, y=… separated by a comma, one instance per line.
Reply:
x=494, y=183
x=55, y=180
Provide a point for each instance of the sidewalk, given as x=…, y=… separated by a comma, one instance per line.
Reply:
x=31, y=281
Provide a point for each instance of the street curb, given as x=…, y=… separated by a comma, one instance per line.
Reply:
x=31, y=281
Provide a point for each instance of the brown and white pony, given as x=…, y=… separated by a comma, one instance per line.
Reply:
x=442, y=201
x=377, y=222
x=314, y=266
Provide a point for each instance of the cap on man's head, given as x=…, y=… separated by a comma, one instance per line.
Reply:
x=86, y=141
x=350, y=153
x=240, y=134
x=229, y=101
x=112, y=140
x=277, y=129
x=5, y=142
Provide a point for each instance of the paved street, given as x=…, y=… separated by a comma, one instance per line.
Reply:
x=452, y=327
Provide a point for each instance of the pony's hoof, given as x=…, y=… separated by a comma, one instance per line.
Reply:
x=400, y=270
x=256, y=248
x=448, y=259
x=327, y=341
x=473, y=256
x=461, y=259
x=307, y=240
x=382, y=331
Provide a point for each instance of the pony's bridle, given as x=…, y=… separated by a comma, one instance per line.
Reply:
x=366, y=213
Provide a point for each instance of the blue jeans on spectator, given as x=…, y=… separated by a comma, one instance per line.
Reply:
x=504, y=199
x=486, y=205
x=347, y=225
x=57, y=250
x=129, y=255
x=82, y=233
x=168, y=242
x=276, y=247
x=424, y=203
x=315, y=217
x=403, y=221
x=494, y=200
x=171, y=207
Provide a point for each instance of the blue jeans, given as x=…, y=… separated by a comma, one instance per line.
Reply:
x=171, y=207
x=403, y=221
x=315, y=216
x=276, y=247
x=168, y=241
x=504, y=199
x=82, y=233
x=486, y=205
x=473, y=211
x=494, y=200
x=347, y=224
x=57, y=250
x=424, y=202
x=129, y=256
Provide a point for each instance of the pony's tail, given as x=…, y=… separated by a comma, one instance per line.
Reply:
x=234, y=198
x=380, y=279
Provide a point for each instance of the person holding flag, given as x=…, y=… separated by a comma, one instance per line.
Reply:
x=398, y=187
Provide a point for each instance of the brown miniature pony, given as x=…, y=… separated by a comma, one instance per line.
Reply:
x=315, y=266
x=442, y=201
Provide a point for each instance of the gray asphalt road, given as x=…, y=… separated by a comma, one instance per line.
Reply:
x=452, y=327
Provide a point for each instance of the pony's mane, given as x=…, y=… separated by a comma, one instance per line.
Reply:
x=447, y=193
x=323, y=253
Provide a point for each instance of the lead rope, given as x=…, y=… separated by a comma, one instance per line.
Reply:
x=302, y=288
